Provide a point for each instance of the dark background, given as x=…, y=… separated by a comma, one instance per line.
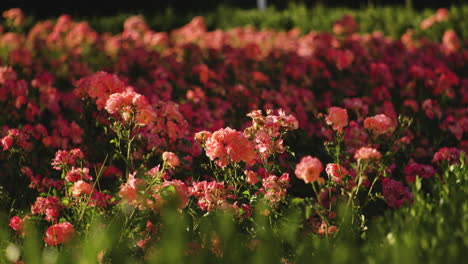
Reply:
x=48, y=8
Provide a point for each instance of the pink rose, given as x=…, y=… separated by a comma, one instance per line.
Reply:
x=308, y=169
x=337, y=118
x=251, y=177
x=367, y=153
x=80, y=187
x=228, y=145
x=7, y=142
x=59, y=233
x=16, y=223
x=171, y=159
x=336, y=172
x=379, y=124
x=395, y=193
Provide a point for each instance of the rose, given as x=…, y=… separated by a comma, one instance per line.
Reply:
x=59, y=233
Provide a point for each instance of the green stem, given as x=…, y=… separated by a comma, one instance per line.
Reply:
x=128, y=159
x=323, y=218
x=355, y=190
x=370, y=189
x=339, y=139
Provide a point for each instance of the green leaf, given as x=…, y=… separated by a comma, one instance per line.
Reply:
x=308, y=212
x=297, y=201
x=65, y=201
x=418, y=183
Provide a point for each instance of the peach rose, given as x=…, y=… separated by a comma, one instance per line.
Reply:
x=171, y=159
x=379, y=124
x=81, y=187
x=308, y=169
x=337, y=117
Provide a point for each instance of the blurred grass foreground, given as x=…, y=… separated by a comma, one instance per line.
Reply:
x=433, y=230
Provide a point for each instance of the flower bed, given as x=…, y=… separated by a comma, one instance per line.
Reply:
x=162, y=136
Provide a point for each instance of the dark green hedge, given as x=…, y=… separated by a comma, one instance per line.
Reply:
x=392, y=21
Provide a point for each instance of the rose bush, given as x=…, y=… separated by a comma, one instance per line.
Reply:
x=121, y=127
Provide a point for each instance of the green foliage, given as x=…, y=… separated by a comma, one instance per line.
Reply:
x=392, y=21
x=432, y=230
